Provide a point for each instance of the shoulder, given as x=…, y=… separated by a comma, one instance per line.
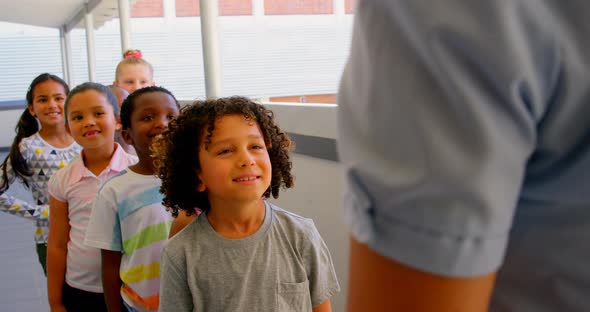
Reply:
x=74, y=148
x=183, y=240
x=121, y=159
x=117, y=179
x=297, y=227
x=61, y=179
x=115, y=183
x=131, y=159
x=182, y=245
x=125, y=157
x=30, y=143
x=291, y=218
x=62, y=174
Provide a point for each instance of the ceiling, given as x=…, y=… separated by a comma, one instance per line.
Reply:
x=57, y=13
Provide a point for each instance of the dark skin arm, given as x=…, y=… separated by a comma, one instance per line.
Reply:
x=377, y=283
x=111, y=282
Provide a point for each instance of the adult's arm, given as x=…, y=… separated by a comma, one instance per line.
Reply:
x=438, y=108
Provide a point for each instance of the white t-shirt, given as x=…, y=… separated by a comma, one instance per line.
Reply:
x=128, y=216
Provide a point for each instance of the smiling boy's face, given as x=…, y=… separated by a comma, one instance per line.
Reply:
x=235, y=165
x=150, y=117
x=91, y=120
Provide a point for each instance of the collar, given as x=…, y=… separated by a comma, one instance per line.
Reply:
x=117, y=164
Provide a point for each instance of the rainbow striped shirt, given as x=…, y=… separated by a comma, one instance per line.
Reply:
x=128, y=216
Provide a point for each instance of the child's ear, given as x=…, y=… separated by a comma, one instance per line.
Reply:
x=31, y=110
x=115, y=83
x=118, y=125
x=126, y=136
x=201, y=187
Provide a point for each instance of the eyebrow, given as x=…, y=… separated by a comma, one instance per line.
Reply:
x=93, y=107
x=43, y=95
x=228, y=140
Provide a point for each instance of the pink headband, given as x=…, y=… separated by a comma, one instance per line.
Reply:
x=133, y=54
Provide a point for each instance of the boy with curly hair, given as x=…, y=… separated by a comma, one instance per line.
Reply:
x=226, y=156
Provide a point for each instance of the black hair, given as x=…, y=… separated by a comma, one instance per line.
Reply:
x=104, y=90
x=128, y=105
x=27, y=125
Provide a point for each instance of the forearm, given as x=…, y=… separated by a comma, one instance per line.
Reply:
x=111, y=282
x=56, y=272
x=112, y=293
x=22, y=208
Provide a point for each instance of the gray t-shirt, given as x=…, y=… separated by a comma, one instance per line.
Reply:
x=284, y=266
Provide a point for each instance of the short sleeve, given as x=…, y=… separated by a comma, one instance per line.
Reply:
x=56, y=186
x=104, y=227
x=321, y=275
x=436, y=125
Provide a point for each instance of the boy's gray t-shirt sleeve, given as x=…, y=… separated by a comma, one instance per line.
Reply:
x=321, y=275
x=175, y=294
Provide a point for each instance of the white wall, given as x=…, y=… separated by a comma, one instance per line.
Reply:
x=317, y=195
x=318, y=184
x=8, y=120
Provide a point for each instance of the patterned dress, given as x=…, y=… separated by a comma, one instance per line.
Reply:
x=44, y=160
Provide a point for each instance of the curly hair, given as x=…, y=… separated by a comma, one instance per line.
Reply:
x=128, y=105
x=176, y=152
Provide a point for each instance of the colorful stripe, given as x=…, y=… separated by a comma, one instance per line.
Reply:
x=141, y=272
x=149, y=303
x=137, y=201
x=149, y=235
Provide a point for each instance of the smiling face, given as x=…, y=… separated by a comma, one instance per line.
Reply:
x=134, y=76
x=48, y=103
x=150, y=117
x=91, y=120
x=235, y=165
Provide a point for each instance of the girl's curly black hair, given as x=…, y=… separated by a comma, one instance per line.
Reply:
x=177, y=151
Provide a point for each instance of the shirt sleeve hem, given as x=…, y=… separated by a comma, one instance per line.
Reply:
x=446, y=255
x=100, y=245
